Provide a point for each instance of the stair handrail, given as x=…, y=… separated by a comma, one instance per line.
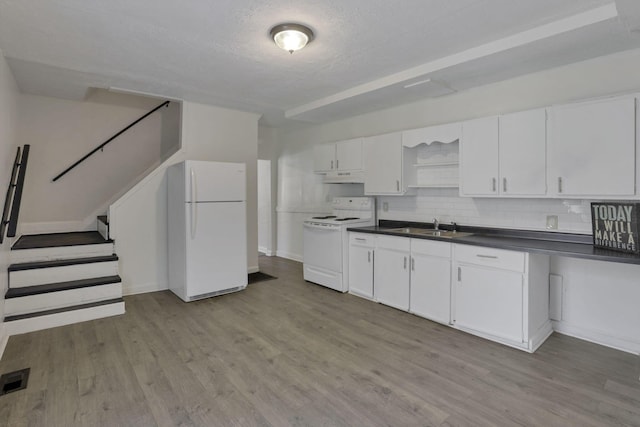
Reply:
x=13, y=198
x=101, y=146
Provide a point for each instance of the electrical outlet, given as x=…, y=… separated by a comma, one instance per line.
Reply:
x=552, y=222
x=385, y=206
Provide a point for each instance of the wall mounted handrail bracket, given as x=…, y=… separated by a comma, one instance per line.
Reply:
x=101, y=146
x=12, y=200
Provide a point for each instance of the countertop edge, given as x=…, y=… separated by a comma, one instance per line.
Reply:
x=582, y=250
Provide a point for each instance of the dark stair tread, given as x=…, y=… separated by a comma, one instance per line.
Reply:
x=52, y=240
x=61, y=262
x=62, y=309
x=60, y=286
x=103, y=219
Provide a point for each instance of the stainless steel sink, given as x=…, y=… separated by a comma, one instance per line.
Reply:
x=412, y=230
x=429, y=232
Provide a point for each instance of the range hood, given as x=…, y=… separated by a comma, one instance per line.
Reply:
x=353, y=177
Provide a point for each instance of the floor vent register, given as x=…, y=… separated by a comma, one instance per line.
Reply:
x=14, y=381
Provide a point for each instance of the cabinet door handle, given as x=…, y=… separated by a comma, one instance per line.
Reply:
x=487, y=256
x=405, y=263
x=459, y=274
x=361, y=239
x=413, y=264
x=559, y=184
x=369, y=257
x=504, y=185
x=493, y=187
x=331, y=164
x=337, y=164
x=397, y=185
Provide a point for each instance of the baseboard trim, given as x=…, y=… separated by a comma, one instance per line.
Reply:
x=143, y=289
x=289, y=255
x=4, y=339
x=253, y=269
x=596, y=337
x=265, y=251
x=540, y=336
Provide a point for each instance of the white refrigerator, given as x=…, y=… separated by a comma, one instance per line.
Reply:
x=207, y=228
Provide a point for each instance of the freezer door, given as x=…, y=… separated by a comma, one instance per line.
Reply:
x=214, y=181
x=216, y=247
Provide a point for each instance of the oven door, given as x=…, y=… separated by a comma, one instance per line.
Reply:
x=323, y=246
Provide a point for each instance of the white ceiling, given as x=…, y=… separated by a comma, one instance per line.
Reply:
x=365, y=52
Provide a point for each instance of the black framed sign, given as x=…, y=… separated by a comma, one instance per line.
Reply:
x=615, y=226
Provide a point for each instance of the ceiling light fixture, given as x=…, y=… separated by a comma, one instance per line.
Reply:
x=291, y=37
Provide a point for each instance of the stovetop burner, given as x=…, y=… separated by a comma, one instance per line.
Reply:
x=346, y=219
x=323, y=217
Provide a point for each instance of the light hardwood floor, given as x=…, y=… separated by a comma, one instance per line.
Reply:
x=289, y=353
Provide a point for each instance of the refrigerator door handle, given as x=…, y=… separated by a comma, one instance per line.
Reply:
x=194, y=205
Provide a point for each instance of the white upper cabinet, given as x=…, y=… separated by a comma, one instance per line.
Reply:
x=338, y=156
x=324, y=157
x=383, y=172
x=522, y=153
x=591, y=149
x=349, y=155
x=479, y=157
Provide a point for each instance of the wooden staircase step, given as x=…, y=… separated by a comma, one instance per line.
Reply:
x=60, y=263
x=51, y=240
x=60, y=286
x=62, y=310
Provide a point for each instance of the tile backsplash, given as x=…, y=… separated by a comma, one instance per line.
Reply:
x=528, y=214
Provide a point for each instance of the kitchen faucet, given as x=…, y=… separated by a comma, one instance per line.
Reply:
x=436, y=224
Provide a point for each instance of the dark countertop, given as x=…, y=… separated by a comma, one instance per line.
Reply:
x=549, y=243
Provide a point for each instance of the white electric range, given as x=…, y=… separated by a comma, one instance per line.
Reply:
x=326, y=241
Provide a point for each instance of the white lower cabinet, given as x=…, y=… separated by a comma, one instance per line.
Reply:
x=361, y=257
x=490, y=301
x=391, y=271
x=497, y=294
x=502, y=295
x=430, y=294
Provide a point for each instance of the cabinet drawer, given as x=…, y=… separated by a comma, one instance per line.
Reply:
x=362, y=239
x=490, y=257
x=431, y=248
x=394, y=243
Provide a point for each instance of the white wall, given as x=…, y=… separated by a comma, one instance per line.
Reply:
x=170, y=130
x=212, y=133
x=269, y=150
x=62, y=131
x=301, y=194
x=527, y=214
x=299, y=189
x=139, y=219
x=264, y=208
x=599, y=302
x=8, y=144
